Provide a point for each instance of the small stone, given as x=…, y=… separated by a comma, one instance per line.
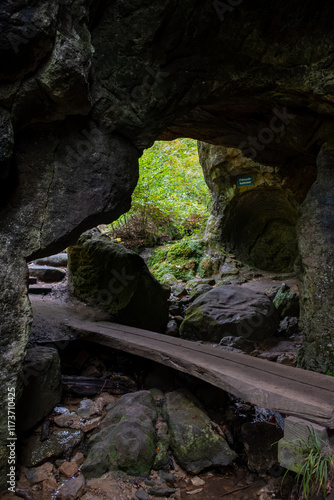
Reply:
x=172, y=329
x=61, y=409
x=72, y=489
x=90, y=496
x=68, y=469
x=49, y=487
x=71, y=420
x=107, y=398
x=159, y=491
x=177, y=494
x=86, y=408
x=169, y=279
x=149, y=482
x=161, y=428
x=178, y=290
x=99, y=404
x=78, y=458
x=194, y=492
x=40, y=474
x=142, y=495
x=91, y=424
x=197, y=481
x=167, y=477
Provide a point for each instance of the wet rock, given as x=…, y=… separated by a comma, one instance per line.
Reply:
x=57, y=260
x=194, y=444
x=172, y=329
x=259, y=439
x=127, y=440
x=72, y=489
x=286, y=302
x=105, y=274
x=68, y=469
x=40, y=474
x=230, y=311
x=60, y=443
x=47, y=274
x=40, y=380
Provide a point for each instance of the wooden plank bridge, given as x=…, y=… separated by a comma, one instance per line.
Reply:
x=285, y=389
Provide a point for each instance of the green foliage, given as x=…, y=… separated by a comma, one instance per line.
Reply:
x=171, y=197
x=329, y=372
x=182, y=259
x=317, y=466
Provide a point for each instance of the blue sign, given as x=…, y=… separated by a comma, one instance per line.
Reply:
x=245, y=181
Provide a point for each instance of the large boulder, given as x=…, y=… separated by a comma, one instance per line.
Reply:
x=42, y=388
x=127, y=440
x=104, y=273
x=230, y=311
x=194, y=443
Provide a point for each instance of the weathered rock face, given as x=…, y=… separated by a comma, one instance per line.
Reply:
x=316, y=244
x=84, y=85
x=256, y=220
x=41, y=386
x=106, y=274
x=230, y=311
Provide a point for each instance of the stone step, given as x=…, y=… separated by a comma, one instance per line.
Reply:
x=32, y=280
x=39, y=289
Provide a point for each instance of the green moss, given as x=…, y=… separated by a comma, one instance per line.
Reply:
x=182, y=259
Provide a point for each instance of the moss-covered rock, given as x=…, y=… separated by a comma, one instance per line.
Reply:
x=127, y=440
x=104, y=273
x=61, y=442
x=286, y=301
x=181, y=259
x=194, y=443
x=230, y=310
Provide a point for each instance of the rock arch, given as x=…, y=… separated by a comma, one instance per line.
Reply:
x=84, y=87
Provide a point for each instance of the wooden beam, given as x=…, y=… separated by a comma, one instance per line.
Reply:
x=288, y=390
